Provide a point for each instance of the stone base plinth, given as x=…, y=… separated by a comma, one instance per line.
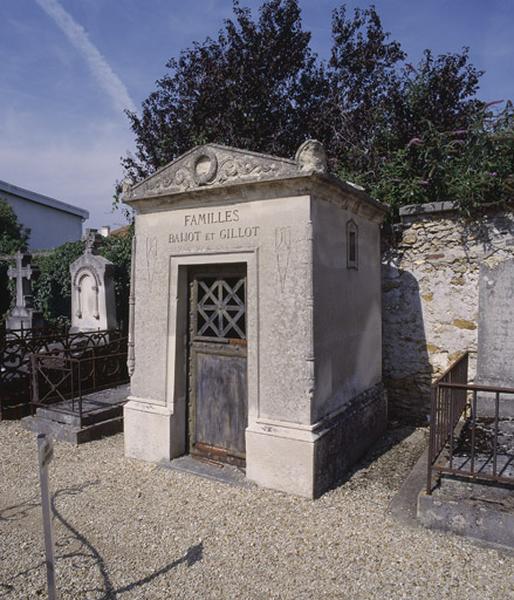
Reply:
x=71, y=433
x=298, y=459
x=281, y=458
x=473, y=510
x=24, y=318
x=150, y=432
x=308, y=461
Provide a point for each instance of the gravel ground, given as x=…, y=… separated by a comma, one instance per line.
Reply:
x=126, y=529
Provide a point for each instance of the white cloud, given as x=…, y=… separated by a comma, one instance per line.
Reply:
x=77, y=166
x=99, y=66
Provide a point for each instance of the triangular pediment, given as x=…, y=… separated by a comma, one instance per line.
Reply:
x=213, y=165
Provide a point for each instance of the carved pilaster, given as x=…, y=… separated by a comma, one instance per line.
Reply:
x=131, y=358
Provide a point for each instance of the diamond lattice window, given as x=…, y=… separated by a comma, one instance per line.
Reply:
x=221, y=310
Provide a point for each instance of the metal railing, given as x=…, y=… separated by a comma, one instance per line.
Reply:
x=61, y=382
x=465, y=438
x=17, y=346
x=31, y=332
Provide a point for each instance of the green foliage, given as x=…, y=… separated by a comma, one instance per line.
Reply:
x=255, y=85
x=13, y=237
x=52, y=290
x=473, y=166
x=258, y=85
x=119, y=251
x=483, y=167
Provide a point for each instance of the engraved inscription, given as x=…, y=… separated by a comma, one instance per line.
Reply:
x=212, y=218
x=193, y=222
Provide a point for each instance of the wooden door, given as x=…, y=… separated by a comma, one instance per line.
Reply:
x=217, y=406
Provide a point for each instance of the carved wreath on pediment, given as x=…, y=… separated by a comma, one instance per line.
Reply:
x=207, y=169
x=235, y=168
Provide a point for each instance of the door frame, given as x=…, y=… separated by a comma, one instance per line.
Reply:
x=218, y=346
x=177, y=338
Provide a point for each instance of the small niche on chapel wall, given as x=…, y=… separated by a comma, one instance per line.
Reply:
x=352, y=245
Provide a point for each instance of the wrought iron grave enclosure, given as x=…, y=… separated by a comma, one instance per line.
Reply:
x=465, y=440
x=17, y=346
x=62, y=381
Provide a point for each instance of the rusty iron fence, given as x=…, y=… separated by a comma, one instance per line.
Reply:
x=61, y=382
x=16, y=347
x=31, y=332
x=466, y=438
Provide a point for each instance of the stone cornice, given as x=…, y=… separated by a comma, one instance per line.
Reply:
x=230, y=174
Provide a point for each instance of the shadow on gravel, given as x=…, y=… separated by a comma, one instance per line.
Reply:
x=389, y=440
x=19, y=511
x=193, y=555
x=88, y=552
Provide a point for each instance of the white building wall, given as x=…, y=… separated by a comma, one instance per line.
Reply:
x=49, y=227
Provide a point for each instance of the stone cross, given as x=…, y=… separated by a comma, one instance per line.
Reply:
x=90, y=238
x=22, y=274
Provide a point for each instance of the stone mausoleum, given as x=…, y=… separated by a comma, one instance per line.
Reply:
x=256, y=317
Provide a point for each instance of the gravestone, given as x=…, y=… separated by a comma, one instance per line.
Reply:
x=23, y=315
x=93, y=305
x=255, y=317
x=495, y=356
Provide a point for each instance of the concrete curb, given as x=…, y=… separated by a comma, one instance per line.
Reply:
x=403, y=506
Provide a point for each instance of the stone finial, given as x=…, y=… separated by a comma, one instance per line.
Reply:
x=126, y=185
x=311, y=156
x=90, y=238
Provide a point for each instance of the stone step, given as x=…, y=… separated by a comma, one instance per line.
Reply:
x=453, y=485
x=488, y=519
x=70, y=433
x=12, y=412
x=103, y=413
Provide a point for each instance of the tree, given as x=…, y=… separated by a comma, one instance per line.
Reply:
x=13, y=237
x=378, y=102
x=473, y=166
x=362, y=71
x=385, y=123
x=441, y=91
x=256, y=85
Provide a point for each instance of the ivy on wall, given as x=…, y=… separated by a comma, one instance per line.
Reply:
x=119, y=251
x=52, y=289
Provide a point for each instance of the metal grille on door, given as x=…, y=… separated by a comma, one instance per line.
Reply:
x=221, y=311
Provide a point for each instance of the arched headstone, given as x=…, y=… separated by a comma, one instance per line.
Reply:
x=93, y=304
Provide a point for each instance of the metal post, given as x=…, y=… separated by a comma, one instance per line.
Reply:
x=45, y=454
x=35, y=384
x=431, y=437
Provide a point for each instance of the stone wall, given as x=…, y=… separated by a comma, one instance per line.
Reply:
x=430, y=276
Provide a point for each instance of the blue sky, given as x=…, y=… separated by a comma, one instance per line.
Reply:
x=68, y=67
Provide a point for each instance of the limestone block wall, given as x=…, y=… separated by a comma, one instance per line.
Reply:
x=430, y=275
